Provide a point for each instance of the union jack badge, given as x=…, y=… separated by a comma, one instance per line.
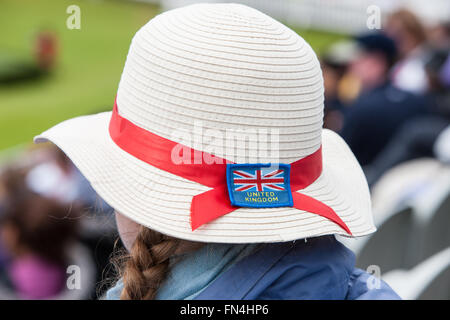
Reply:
x=259, y=185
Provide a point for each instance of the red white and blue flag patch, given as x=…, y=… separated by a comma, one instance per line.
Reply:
x=256, y=180
x=259, y=185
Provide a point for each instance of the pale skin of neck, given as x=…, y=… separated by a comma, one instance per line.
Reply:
x=128, y=229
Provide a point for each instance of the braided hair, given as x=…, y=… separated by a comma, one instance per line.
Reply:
x=147, y=264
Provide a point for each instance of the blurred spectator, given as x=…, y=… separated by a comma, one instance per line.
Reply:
x=439, y=35
x=373, y=60
x=15, y=69
x=56, y=179
x=381, y=108
x=405, y=28
x=45, y=50
x=334, y=67
x=35, y=232
x=416, y=138
x=438, y=72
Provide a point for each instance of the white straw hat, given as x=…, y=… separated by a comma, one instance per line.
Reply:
x=224, y=68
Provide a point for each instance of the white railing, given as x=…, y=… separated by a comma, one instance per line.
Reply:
x=343, y=16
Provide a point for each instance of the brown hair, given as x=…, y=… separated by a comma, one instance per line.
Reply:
x=411, y=24
x=147, y=264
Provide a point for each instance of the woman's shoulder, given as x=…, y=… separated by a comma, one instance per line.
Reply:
x=324, y=269
x=316, y=268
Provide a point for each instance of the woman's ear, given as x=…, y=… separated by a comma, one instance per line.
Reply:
x=128, y=230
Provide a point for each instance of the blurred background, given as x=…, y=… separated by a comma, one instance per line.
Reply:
x=386, y=70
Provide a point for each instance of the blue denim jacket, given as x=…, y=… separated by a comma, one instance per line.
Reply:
x=320, y=268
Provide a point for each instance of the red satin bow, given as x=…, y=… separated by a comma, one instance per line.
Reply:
x=212, y=204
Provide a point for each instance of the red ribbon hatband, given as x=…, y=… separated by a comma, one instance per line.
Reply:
x=207, y=206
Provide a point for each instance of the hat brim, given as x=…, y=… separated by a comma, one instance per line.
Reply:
x=161, y=201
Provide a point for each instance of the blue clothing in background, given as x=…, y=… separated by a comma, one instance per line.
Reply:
x=376, y=115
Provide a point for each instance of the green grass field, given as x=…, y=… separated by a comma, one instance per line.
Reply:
x=88, y=68
x=89, y=65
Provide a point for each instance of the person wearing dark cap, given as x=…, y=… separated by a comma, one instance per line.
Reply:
x=373, y=118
